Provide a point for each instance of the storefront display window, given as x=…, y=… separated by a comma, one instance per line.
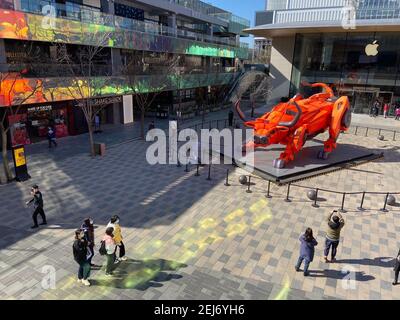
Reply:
x=18, y=130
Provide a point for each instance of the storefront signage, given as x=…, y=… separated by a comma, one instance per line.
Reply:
x=40, y=108
x=102, y=101
x=21, y=169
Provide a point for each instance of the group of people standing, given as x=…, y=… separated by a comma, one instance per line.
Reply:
x=378, y=106
x=84, y=244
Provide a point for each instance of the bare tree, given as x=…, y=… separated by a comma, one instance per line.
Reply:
x=82, y=70
x=146, y=88
x=260, y=90
x=10, y=82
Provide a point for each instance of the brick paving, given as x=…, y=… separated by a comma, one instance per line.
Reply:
x=189, y=238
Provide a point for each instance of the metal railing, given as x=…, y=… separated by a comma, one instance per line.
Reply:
x=87, y=14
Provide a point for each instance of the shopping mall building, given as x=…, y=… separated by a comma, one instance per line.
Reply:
x=352, y=45
x=153, y=32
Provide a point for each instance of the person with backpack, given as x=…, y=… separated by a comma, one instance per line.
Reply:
x=80, y=251
x=88, y=229
x=335, y=224
x=307, y=250
x=38, y=206
x=108, y=248
x=114, y=223
x=396, y=269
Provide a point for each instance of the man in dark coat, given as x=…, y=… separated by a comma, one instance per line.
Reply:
x=396, y=269
x=38, y=205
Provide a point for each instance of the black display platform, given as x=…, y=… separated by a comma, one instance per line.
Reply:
x=306, y=163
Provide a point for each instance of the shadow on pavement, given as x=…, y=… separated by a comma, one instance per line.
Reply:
x=378, y=262
x=335, y=274
x=140, y=275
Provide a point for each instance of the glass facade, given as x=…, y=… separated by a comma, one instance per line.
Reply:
x=352, y=64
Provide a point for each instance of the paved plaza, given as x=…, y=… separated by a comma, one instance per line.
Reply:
x=190, y=238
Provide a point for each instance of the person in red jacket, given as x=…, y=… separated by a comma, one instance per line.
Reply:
x=386, y=109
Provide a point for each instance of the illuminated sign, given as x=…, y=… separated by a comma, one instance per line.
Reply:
x=40, y=108
x=19, y=155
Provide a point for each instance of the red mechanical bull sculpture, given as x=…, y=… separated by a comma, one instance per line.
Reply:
x=298, y=120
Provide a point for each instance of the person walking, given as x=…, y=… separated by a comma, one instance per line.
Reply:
x=397, y=113
x=110, y=250
x=375, y=108
x=396, y=269
x=386, y=109
x=80, y=251
x=335, y=224
x=88, y=230
x=51, y=136
x=37, y=200
x=97, y=123
x=114, y=223
x=307, y=250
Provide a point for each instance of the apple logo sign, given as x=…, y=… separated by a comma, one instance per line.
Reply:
x=372, y=49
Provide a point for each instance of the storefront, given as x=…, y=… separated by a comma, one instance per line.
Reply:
x=31, y=123
x=365, y=66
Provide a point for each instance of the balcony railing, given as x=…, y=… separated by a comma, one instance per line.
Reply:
x=86, y=14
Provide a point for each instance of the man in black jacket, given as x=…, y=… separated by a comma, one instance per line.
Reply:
x=38, y=205
x=396, y=269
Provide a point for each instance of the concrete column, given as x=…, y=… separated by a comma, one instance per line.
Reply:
x=116, y=61
x=3, y=59
x=107, y=6
x=281, y=66
x=127, y=109
x=172, y=23
x=116, y=113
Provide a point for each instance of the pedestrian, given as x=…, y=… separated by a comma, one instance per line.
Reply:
x=51, y=136
x=307, y=250
x=37, y=200
x=375, y=108
x=88, y=230
x=335, y=224
x=230, y=118
x=114, y=223
x=80, y=251
x=386, y=109
x=96, y=123
x=110, y=250
x=397, y=113
x=396, y=269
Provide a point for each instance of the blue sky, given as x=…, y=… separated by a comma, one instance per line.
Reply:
x=242, y=8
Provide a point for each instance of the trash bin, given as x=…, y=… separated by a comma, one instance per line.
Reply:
x=100, y=149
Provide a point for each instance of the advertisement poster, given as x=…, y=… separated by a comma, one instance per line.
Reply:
x=19, y=156
x=18, y=131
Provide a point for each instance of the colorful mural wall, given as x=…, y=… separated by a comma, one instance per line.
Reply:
x=25, y=26
x=15, y=91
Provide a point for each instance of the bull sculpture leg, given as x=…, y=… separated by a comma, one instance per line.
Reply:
x=294, y=145
x=341, y=118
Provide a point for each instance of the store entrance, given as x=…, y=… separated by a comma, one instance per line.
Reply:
x=363, y=101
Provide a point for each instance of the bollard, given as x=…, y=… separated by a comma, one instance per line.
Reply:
x=268, y=196
x=380, y=131
x=209, y=172
x=227, y=178
x=342, y=208
x=356, y=130
x=197, y=171
x=394, y=135
x=315, y=205
x=287, y=195
x=248, y=185
x=360, y=208
x=366, y=132
x=187, y=168
x=384, y=206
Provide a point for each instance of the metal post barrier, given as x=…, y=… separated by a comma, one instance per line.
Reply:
x=209, y=172
x=356, y=131
x=360, y=208
x=268, y=196
x=227, y=178
x=288, y=193
x=315, y=204
x=384, y=207
x=366, y=132
x=187, y=168
x=248, y=185
x=343, y=200
x=380, y=131
x=197, y=170
x=394, y=135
